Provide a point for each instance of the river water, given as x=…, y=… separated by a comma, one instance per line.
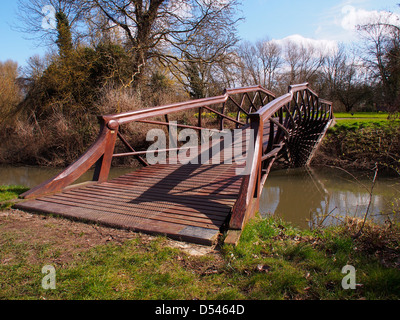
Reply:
x=304, y=197
x=324, y=196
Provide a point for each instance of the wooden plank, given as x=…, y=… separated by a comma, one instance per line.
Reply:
x=132, y=206
x=217, y=189
x=209, y=188
x=156, y=203
x=127, y=214
x=170, y=230
x=222, y=188
x=176, y=172
x=208, y=170
x=233, y=237
x=176, y=180
x=200, y=200
x=214, y=208
x=178, y=177
x=229, y=187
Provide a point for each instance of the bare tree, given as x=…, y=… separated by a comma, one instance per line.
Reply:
x=229, y=71
x=380, y=51
x=204, y=58
x=269, y=54
x=332, y=69
x=344, y=76
x=303, y=61
x=249, y=64
x=351, y=91
x=36, y=66
x=169, y=30
x=260, y=62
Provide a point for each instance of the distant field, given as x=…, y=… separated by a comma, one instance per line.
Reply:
x=361, y=115
x=363, y=119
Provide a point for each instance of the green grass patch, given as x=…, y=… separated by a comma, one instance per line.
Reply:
x=365, y=115
x=361, y=120
x=273, y=260
x=8, y=193
x=308, y=264
x=344, y=125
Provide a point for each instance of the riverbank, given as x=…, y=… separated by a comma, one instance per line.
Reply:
x=272, y=261
x=355, y=144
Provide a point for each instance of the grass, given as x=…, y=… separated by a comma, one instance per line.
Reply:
x=8, y=193
x=365, y=115
x=354, y=121
x=307, y=265
x=272, y=261
x=357, y=124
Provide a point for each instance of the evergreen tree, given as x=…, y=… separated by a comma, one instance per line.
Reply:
x=196, y=84
x=64, y=38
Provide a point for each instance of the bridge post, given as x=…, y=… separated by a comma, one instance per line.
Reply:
x=257, y=127
x=103, y=165
x=249, y=195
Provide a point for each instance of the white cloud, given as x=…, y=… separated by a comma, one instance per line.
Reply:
x=340, y=21
x=351, y=17
x=326, y=46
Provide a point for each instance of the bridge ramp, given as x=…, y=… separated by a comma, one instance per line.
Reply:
x=184, y=202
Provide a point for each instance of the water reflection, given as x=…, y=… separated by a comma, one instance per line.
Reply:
x=306, y=196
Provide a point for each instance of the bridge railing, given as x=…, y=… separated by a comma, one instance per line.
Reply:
x=228, y=109
x=297, y=122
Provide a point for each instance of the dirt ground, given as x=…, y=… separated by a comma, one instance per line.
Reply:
x=72, y=237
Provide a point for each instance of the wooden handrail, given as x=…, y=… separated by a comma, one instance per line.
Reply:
x=271, y=108
x=127, y=117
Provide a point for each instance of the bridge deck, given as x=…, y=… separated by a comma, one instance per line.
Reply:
x=186, y=202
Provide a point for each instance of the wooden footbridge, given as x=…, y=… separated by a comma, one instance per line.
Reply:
x=191, y=200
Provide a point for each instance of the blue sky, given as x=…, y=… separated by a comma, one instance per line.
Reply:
x=276, y=19
x=315, y=19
